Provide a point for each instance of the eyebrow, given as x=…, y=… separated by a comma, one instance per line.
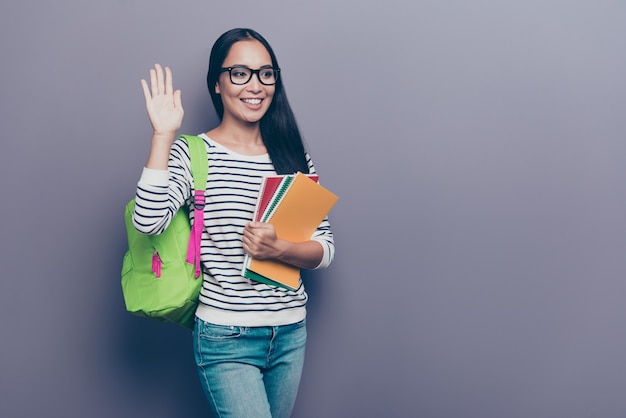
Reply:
x=245, y=66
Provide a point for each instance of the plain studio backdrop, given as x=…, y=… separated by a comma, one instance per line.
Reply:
x=478, y=151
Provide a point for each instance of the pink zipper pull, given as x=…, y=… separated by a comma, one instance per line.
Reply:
x=156, y=263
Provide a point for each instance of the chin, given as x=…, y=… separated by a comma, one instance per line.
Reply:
x=254, y=118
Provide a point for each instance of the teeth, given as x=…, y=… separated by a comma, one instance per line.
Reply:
x=252, y=101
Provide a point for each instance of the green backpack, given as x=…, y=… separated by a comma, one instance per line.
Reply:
x=161, y=274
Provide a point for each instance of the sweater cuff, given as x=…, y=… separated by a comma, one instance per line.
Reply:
x=154, y=177
x=328, y=255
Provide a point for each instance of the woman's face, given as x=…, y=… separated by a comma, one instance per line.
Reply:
x=247, y=102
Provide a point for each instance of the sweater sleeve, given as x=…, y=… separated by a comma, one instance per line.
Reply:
x=323, y=234
x=160, y=193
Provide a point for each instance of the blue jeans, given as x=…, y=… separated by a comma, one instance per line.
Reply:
x=250, y=372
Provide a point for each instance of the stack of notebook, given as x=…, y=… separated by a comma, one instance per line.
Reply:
x=295, y=205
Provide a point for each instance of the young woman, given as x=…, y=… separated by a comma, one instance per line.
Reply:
x=249, y=338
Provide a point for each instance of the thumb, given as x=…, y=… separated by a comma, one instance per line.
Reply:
x=177, y=99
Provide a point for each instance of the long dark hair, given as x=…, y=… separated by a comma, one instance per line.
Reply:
x=279, y=129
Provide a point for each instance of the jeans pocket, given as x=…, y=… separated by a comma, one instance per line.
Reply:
x=295, y=326
x=218, y=332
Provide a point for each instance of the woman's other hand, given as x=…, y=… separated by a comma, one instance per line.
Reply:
x=260, y=241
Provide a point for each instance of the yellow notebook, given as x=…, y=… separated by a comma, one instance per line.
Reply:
x=296, y=216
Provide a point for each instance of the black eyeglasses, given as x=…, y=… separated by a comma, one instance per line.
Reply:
x=241, y=75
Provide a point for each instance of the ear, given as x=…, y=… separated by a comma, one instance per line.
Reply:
x=217, y=88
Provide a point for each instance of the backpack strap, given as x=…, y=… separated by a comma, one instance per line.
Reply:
x=200, y=172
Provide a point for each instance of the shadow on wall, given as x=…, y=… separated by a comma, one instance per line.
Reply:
x=156, y=367
x=159, y=371
x=314, y=286
x=153, y=364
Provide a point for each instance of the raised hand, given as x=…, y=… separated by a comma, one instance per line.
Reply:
x=163, y=104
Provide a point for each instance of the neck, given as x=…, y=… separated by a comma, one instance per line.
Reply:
x=242, y=138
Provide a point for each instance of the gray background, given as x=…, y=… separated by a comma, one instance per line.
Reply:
x=478, y=151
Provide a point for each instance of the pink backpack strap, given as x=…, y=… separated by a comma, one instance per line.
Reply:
x=193, y=249
x=199, y=171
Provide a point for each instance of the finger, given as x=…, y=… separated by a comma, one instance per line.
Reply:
x=168, y=81
x=246, y=242
x=146, y=89
x=248, y=234
x=261, y=226
x=153, y=82
x=177, y=99
x=159, y=77
x=249, y=251
x=255, y=225
x=247, y=247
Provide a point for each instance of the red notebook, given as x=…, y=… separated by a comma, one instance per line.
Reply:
x=268, y=188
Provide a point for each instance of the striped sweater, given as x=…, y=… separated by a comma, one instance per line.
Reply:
x=226, y=298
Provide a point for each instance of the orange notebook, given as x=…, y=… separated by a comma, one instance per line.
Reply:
x=303, y=206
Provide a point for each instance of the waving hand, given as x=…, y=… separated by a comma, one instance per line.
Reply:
x=163, y=104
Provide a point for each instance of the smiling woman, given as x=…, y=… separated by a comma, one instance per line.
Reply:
x=249, y=337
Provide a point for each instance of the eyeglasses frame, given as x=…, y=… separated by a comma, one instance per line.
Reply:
x=252, y=72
